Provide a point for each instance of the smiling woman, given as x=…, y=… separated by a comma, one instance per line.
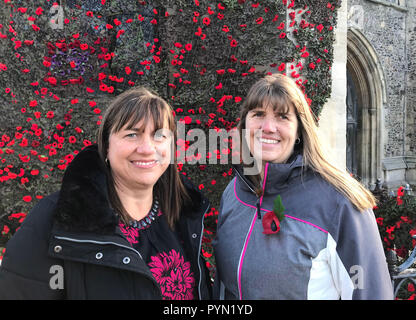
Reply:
x=272, y=135
x=299, y=228
x=125, y=224
x=136, y=140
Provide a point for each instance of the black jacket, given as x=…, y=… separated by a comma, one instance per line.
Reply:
x=70, y=246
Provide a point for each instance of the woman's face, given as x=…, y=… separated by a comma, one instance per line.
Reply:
x=271, y=135
x=140, y=155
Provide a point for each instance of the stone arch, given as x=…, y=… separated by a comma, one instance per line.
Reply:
x=365, y=70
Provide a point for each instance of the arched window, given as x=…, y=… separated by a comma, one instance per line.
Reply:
x=353, y=128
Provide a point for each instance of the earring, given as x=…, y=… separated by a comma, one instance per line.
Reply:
x=297, y=141
x=106, y=161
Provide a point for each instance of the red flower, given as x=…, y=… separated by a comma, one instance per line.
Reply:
x=380, y=221
x=6, y=230
x=206, y=254
x=400, y=191
x=119, y=33
x=39, y=11
x=281, y=67
x=270, y=223
x=206, y=21
x=233, y=43
x=271, y=220
x=305, y=54
x=259, y=20
x=19, y=215
x=187, y=120
x=34, y=172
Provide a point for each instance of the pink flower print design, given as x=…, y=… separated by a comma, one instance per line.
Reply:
x=174, y=275
x=131, y=234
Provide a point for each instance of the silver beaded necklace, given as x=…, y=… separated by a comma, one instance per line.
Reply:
x=147, y=220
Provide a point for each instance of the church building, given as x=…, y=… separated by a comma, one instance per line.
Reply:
x=369, y=124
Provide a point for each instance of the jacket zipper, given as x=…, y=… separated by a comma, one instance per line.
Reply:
x=110, y=243
x=248, y=185
x=100, y=242
x=258, y=198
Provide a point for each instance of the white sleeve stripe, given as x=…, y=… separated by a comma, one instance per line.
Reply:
x=329, y=279
x=342, y=279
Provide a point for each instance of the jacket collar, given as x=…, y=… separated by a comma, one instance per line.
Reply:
x=276, y=175
x=83, y=204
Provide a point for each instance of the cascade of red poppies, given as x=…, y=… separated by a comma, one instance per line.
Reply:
x=60, y=65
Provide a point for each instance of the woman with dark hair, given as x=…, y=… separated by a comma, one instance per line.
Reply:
x=299, y=227
x=124, y=225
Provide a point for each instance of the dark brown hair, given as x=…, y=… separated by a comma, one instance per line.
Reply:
x=127, y=109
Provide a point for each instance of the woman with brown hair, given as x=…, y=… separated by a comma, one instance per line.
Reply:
x=124, y=225
x=300, y=228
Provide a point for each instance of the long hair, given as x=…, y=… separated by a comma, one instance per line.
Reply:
x=127, y=109
x=280, y=92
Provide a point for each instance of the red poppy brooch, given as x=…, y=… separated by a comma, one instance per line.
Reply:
x=272, y=219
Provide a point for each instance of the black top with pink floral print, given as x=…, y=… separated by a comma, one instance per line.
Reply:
x=162, y=251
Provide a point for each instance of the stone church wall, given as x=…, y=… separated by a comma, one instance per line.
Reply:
x=385, y=28
x=389, y=27
x=410, y=148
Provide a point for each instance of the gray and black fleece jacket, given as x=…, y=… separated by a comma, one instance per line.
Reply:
x=325, y=249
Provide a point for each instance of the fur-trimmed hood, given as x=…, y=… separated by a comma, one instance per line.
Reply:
x=83, y=204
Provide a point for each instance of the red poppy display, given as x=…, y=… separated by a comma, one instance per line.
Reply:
x=200, y=56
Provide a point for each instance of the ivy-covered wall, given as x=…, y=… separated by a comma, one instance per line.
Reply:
x=61, y=65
